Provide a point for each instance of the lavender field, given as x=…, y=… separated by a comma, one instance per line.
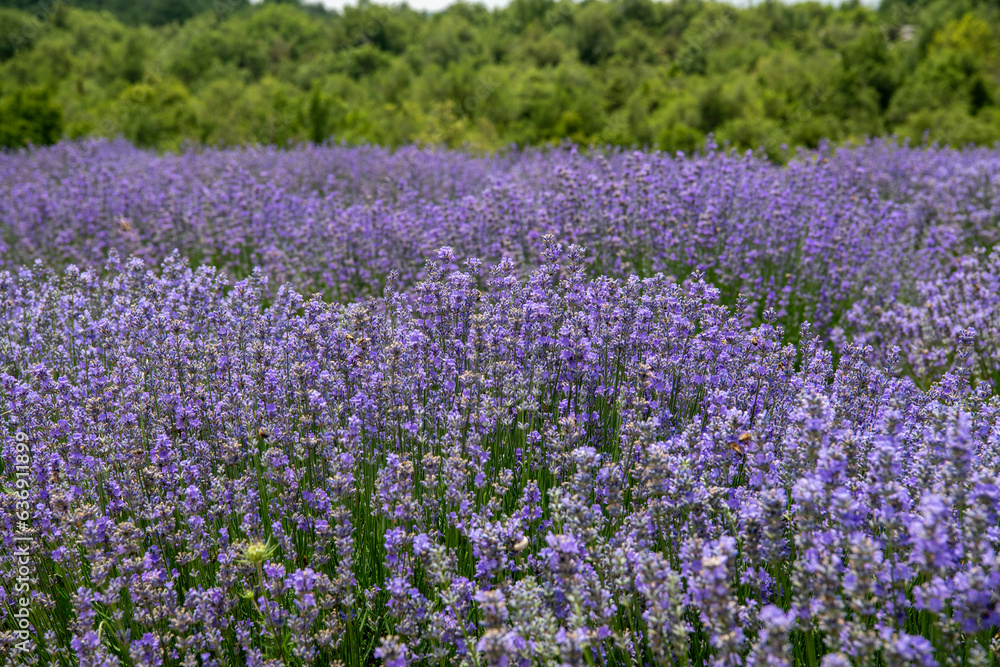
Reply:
x=347, y=406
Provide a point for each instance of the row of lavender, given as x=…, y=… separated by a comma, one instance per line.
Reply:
x=551, y=470
x=840, y=239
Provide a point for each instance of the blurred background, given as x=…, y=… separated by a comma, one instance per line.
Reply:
x=766, y=75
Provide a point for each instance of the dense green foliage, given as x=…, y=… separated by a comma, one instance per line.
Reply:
x=133, y=12
x=618, y=72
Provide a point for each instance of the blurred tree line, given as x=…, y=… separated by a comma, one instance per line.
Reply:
x=621, y=72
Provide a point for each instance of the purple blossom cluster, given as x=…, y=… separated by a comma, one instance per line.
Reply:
x=948, y=322
x=488, y=465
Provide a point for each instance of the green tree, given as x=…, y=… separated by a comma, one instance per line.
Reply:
x=29, y=116
x=595, y=37
x=318, y=116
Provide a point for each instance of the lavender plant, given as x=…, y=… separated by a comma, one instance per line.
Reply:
x=509, y=450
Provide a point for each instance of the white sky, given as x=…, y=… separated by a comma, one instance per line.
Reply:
x=429, y=5
x=435, y=5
